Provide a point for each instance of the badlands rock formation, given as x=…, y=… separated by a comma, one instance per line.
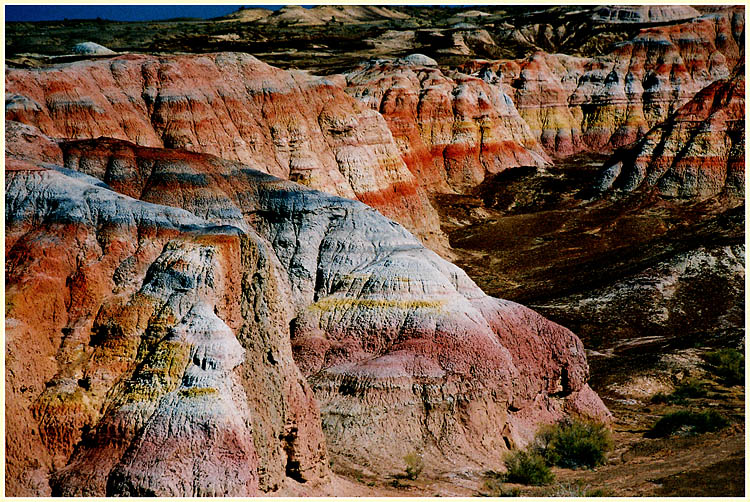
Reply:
x=697, y=153
x=205, y=295
x=644, y=13
x=147, y=349
x=154, y=298
x=574, y=104
x=288, y=124
x=468, y=39
x=452, y=130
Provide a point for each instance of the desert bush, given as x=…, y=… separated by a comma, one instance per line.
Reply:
x=685, y=422
x=574, y=443
x=576, y=489
x=528, y=468
x=396, y=483
x=494, y=487
x=660, y=398
x=728, y=364
x=414, y=465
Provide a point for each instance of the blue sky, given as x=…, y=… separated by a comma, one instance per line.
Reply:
x=118, y=12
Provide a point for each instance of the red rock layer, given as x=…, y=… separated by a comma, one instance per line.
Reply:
x=286, y=123
x=573, y=104
x=452, y=130
x=698, y=152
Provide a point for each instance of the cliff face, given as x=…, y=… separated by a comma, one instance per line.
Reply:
x=452, y=130
x=173, y=283
x=576, y=104
x=286, y=123
x=697, y=153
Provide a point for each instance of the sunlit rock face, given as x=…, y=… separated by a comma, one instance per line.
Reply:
x=286, y=123
x=453, y=130
x=92, y=48
x=176, y=288
x=574, y=104
x=697, y=153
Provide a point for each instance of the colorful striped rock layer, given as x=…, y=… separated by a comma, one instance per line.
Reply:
x=160, y=302
x=574, y=104
x=285, y=123
x=452, y=130
x=697, y=153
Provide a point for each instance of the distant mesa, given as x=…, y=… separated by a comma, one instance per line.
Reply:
x=296, y=15
x=248, y=15
x=92, y=49
x=645, y=13
x=474, y=13
x=464, y=16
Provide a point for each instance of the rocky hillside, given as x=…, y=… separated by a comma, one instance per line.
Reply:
x=697, y=153
x=141, y=335
x=452, y=130
x=288, y=124
x=575, y=104
x=183, y=283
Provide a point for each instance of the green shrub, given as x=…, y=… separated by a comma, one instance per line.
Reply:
x=574, y=444
x=686, y=423
x=396, y=483
x=527, y=468
x=729, y=364
x=690, y=389
x=414, y=465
